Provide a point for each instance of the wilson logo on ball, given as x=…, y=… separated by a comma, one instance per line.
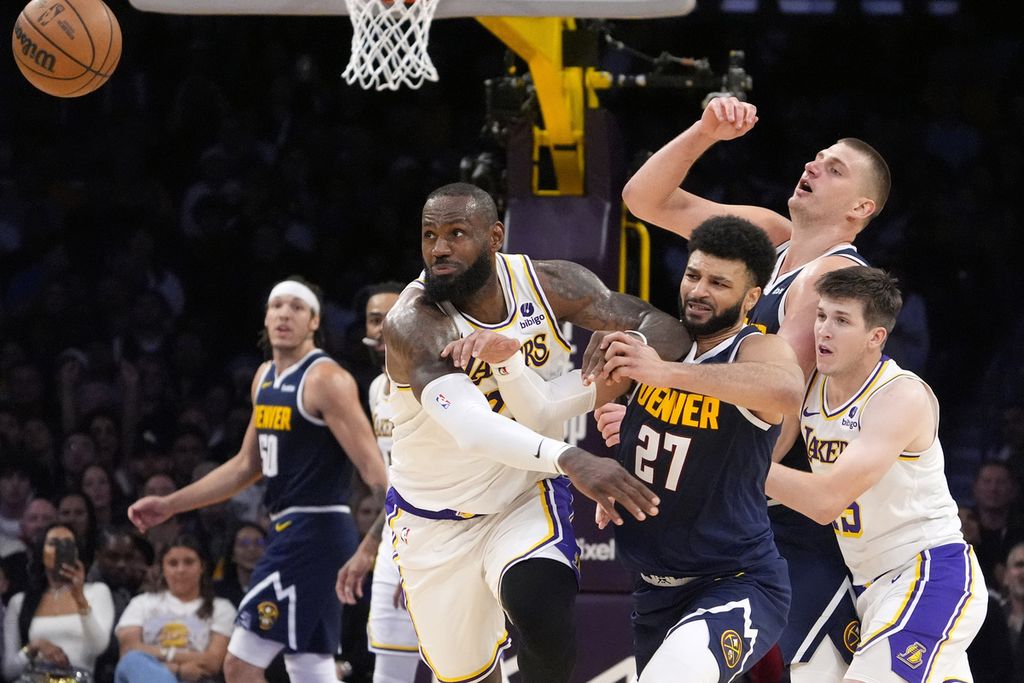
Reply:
x=41, y=58
x=66, y=48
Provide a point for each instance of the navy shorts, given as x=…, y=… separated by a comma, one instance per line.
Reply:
x=745, y=614
x=291, y=599
x=823, y=600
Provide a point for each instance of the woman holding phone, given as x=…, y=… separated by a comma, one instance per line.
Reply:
x=60, y=623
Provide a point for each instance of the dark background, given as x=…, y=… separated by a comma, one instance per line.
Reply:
x=231, y=149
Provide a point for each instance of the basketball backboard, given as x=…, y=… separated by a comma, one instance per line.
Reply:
x=606, y=9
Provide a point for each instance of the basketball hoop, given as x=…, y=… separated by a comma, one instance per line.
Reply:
x=389, y=43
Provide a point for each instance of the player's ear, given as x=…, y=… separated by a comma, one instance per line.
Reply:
x=864, y=208
x=750, y=298
x=497, y=236
x=878, y=337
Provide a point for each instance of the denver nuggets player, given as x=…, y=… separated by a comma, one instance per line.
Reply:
x=305, y=428
x=839, y=192
x=712, y=591
x=872, y=437
x=479, y=512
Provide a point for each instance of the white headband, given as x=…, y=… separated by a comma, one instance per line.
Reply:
x=297, y=290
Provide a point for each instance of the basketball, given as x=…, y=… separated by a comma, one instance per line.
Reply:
x=66, y=48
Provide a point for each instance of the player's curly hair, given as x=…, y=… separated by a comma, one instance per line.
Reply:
x=736, y=239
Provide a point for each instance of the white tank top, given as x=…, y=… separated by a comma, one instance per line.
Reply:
x=428, y=469
x=381, y=411
x=909, y=510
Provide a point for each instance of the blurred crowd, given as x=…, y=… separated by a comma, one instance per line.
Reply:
x=141, y=228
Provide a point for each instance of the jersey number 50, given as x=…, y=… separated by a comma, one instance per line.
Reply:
x=649, y=448
x=268, y=454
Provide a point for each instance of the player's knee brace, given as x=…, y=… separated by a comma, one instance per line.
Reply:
x=539, y=596
x=308, y=667
x=686, y=649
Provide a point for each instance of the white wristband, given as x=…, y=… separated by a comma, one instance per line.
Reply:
x=638, y=334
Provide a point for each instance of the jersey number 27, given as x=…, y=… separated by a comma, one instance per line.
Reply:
x=649, y=448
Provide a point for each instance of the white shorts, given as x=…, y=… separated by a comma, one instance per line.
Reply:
x=389, y=630
x=452, y=569
x=917, y=621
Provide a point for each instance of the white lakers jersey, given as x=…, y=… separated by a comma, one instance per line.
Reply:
x=428, y=469
x=381, y=413
x=909, y=510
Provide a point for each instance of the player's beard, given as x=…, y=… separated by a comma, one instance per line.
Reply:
x=456, y=288
x=715, y=323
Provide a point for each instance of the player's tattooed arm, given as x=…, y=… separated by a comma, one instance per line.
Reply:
x=578, y=296
x=415, y=333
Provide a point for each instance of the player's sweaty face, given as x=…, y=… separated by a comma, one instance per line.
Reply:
x=451, y=237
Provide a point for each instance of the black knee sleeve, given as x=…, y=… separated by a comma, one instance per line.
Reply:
x=539, y=596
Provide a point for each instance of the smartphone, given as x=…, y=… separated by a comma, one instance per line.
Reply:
x=65, y=552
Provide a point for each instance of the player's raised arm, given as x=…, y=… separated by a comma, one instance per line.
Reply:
x=653, y=193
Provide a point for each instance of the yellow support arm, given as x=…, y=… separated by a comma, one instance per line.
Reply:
x=560, y=92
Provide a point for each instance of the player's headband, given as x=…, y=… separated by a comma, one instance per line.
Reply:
x=297, y=290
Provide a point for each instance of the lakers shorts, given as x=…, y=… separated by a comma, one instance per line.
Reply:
x=918, y=620
x=452, y=567
x=389, y=630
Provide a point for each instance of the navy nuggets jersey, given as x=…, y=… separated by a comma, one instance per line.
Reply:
x=302, y=461
x=770, y=310
x=707, y=460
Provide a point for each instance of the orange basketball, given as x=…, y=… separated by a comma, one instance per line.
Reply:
x=67, y=48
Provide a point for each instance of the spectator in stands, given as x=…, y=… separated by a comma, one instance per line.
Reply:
x=77, y=453
x=74, y=510
x=990, y=655
x=122, y=561
x=995, y=502
x=38, y=448
x=98, y=486
x=15, y=494
x=60, y=620
x=1013, y=591
x=1010, y=448
x=180, y=631
x=250, y=541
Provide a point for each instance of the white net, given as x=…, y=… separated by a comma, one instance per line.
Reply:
x=389, y=43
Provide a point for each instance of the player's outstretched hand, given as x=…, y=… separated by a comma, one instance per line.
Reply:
x=352, y=574
x=726, y=118
x=488, y=346
x=609, y=422
x=147, y=512
x=604, y=481
x=626, y=357
x=593, y=358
